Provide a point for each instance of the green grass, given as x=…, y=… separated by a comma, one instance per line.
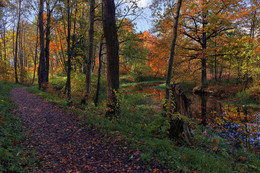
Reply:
x=186, y=86
x=138, y=83
x=13, y=157
x=50, y=97
x=145, y=130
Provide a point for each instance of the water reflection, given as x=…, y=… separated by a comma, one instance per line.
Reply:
x=233, y=122
x=239, y=124
x=203, y=109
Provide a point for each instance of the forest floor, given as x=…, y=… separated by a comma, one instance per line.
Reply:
x=63, y=145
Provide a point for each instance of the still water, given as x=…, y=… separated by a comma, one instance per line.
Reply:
x=237, y=123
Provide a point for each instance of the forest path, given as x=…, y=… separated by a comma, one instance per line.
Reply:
x=63, y=147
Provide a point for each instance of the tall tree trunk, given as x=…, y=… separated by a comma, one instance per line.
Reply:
x=36, y=51
x=112, y=45
x=99, y=71
x=41, y=69
x=204, y=47
x=13, y=42
x=63, y=58
x=90, y=51
x=215, y=61
x=1, y=53
x=16, y=42
x=4, y=40
x=220, y=73
x=21, y=55
x=94, y=55
x=74, y=38
x=47, y=42
x=204, y=61
x=229, y=68
x=175, y=30
x=68, y=84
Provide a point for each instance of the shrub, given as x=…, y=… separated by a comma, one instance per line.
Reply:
x=58, y=83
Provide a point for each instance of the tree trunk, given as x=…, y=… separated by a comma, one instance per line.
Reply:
x=204, y=47
x=47, y=42
x=21, y=53
x=36, y=52
x=90, y=51
x=4, y=40
x=112, y=45
x=68, y=84
x=99, y=71
x=41, y=69
x=215, y=62
x=175, y=29
x=16, y=42
x=74, y=39
x=220, y=73
x=229, y=68
x=204, y=72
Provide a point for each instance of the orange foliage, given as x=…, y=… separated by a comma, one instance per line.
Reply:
x=158, y=54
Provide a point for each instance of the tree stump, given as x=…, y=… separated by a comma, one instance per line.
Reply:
x=178, y=103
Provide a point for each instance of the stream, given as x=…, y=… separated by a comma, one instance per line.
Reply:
x=236, y=123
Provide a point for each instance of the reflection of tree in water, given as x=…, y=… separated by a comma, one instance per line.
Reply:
x=233, y=122
x=238, y=124
x=203, y=109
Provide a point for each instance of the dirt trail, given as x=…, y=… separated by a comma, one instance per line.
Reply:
x=51, y=128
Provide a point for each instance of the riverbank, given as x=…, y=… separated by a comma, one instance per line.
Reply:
x=228, y=92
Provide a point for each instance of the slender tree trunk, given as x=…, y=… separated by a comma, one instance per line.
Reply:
x=21, y=55
x=204, y=62
x=238, y=70
x=36, y=51
x=41, y=69
x=215, y=62
x=90, y=51
x=68, y=85
x=62, y=55
x=112, y=45
x=13, y=42
x=99, y=71
x=175, y=30
x=94, y=55
x=204, y=47
x=16, y=42
x=229, y=68
x=47, y=42
x=220, y=73
x=74, y=38
x=4, y=40
x=1, y=53
x=204, y=71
